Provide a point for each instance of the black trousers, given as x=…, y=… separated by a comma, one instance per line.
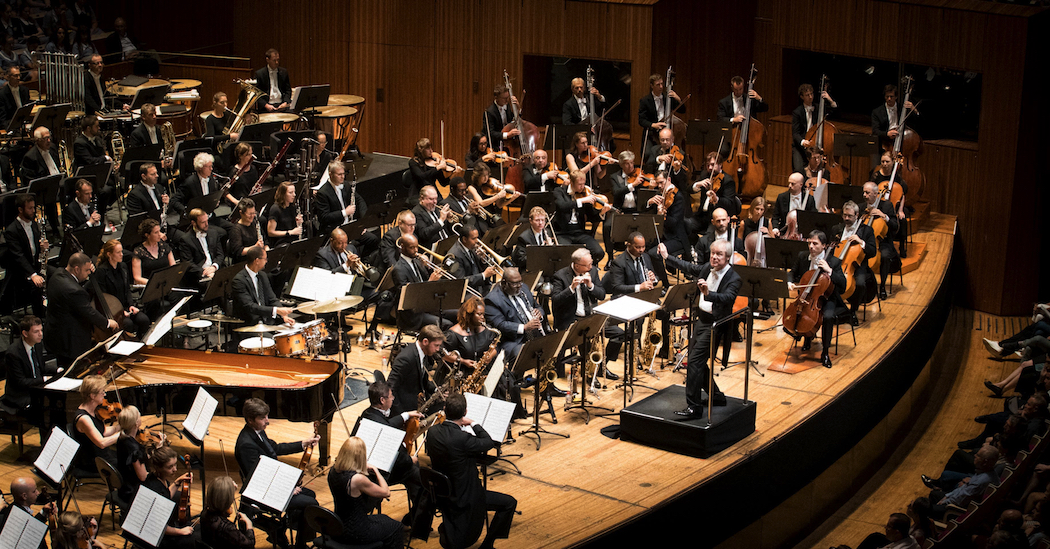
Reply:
x=580, y=237
x=698, y=370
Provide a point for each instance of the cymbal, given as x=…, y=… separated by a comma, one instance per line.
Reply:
x=345, y=99
x=219, y=317
x=338, y=304
x=259, y=329
x=335, y=111
x=308, y=307
x=184, y=84
x=132, y=90
x=277, y=117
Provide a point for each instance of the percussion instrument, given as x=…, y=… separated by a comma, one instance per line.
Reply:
x=184, y=84
x=258, y=346
x=345, y=99
x=219, y=317
x=336, y=120
x=199, y=325
x=284, y=117
x=315, y=330
x=259, y=328
x=289, y=342
x=338, y=304
x=308, y=307
x=130, y=91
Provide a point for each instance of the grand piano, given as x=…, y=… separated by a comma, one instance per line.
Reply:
x=164, y=381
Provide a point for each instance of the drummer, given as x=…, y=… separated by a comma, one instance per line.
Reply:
x=253, y=299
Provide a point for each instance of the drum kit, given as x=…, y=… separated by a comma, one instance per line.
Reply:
x=300, y=339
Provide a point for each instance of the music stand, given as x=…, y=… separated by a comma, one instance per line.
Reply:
x=46, y=188
x=207, y=203
x=18, y=121
x=682, y=296
x=424, y=297
x=579, y=335
x=308, y=97
x=98, y=174
x=163, y=281
x=261, y=131
x=808, y=221
x=300, y=253
x=839, y=194
x=88, y=239
x=442, y=247
x=131, y=237
x=758, y=283
x=647, y=224
x=51, y=116
x=152, y=94
x=852, y=145
x=549, y=259
x=706, y=133
x=499, y=238
x=544, y=200
x=538, y=354
x=147, y=153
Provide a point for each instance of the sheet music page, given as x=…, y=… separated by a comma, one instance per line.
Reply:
x=820, y=197
x=148, y=516
x=57, y=454
x=65, y=384
x=199, y=418
x=340, y=283
x=494, y=415
x=626, y=308
x=382, y=443
x=126, y=348
x=272, y=483
x=495, y=373
x=22, y=530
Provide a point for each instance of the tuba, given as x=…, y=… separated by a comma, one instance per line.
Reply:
x=253, y=95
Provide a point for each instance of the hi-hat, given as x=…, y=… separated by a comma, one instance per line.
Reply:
x=337, y=304
x=259, y=329
x=219, y=317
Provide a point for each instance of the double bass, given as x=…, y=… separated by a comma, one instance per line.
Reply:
x=524, y=144
x=601, y=130
x=677, y=125
x=748, y=138
x=821, y=137
x=907, y=147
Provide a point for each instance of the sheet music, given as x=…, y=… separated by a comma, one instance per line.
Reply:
x=57, y=454
x=820, y=197
x=494, y=415
x=626, y=308
x=148, y=516
x=320, y=284
x=22, y=530
x=495, y=373
x=382, y=442
x=65, y=384
x=126, y=348
x=199, y=417
x=272, y=483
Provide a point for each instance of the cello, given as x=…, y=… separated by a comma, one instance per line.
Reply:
x=821, y=137
x=804, y=316
x=748, y=138
x=850, y=256
x=907, y=147
x=736, y=258
x=521, y=146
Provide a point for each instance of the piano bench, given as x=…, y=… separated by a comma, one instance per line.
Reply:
x=17, y=427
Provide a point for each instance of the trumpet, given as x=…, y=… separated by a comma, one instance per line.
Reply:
x=483, y=213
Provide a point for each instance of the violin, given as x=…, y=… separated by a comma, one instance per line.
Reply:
x=592, y=152
x=184, y=495
x=108, y=411
x=640, y=178
x=91, y=528
x=716, y=185
x=563, y=176
x=499, y=157
x=435, y=159
x=600, y=201
x=669, y=196
x=309, y=451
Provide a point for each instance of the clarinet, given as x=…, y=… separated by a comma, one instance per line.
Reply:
x=42, y=255
x=353, y=193
x=163, y=211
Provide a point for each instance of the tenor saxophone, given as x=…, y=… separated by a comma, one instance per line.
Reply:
x=651, y=343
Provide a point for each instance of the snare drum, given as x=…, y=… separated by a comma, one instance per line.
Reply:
x=258, y=346
x=315, y=330
x=290, y=342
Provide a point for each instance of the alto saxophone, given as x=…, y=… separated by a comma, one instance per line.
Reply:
x=589, y=370
x=474, y=382
x=651, y=343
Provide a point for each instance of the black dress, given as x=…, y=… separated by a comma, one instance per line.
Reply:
x=359, y=527
x=117, y=283
x=218, y=531
x=241, y=236
x=85, y=458
x=129, y=451
x=152, y=264
x=170, y=541
x=243, y=186
x=285, y=217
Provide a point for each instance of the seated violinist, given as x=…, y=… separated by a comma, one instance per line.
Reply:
x=820, y=259
x=489, y=194
x=672, y=202
x=479, y=152
x=71, y=532
x=719, y=190
x=660, y=157
x=425, y=168
x=575, y=205
x=542, y=176
x=584, y=157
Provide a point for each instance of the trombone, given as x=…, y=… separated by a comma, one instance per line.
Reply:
x=441, y=271
x=549, y=227
x=492, y=259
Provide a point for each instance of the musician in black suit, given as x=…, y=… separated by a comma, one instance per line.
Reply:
x=802, y=119
x=631, y=271
x=411, y=370
x=659, y=157
x=862, y=235
x=406, y=468
x=576, y=109
x=201, y=247
x=94, y=86
x=337, y=203
x=273, y=80
x=432, y=224
x=576, y=290
x=573, y=212
x=718, y=284
x=885, y=118
x=410, y=269
x=819, y=257
x=339, y=256
x=252, y=444
x=12, y=96
x=791, y=199
x=24, y=494
x=497, y=116
x=70, y=315
x=540, y=176
x=389, y=249
x=890, y=258
x=731, y=107
x=465, y=253
x=509, y=308
x=24, y=363
x=151, y=196
x=201, y=182
x=21, y=259
x=725, y=197
x=651, y=107
x=453, y=453
x=253, y=298
x=149, y=133
x=719, y=230
x=538, y=234
x=89, y=150
x=81, y=212
x=42, y=159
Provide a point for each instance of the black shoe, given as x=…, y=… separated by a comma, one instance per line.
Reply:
x=825, y=361
x=978, y=419
x=883, y=294
x=554, y=391
x=807, y=345
x=929, y=482
x=853, y=319
x=607, y=374
x=689, y=413
x=972, y=444
x=737, y=338
x=995, y=389
x=719, y=400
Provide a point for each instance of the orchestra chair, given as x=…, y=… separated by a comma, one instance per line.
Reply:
x=14, y=425
x=439, y=488
x=113, y=481
x=844, y=316
x=79, y=475
x=329, y=528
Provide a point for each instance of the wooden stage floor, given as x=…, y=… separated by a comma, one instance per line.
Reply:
x=572, y=490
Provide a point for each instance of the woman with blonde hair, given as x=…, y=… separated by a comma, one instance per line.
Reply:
x=354, y=491
x=131, y=456
x=217, y=530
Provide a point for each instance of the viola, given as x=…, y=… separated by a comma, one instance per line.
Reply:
x=499, y=157
x=148, y=439
x=108, y=411
x=600, y=201
x=435, y=159
x=592, y=152
x=309, y=451
x=91, y=528
x=641, y=178
x=563, y=176
x=184, y=495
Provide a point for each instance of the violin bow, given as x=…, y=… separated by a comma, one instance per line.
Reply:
x=341, y=416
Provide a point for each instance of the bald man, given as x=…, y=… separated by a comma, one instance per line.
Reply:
x=789, y=200
x=576, y=108
x=24, y=493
